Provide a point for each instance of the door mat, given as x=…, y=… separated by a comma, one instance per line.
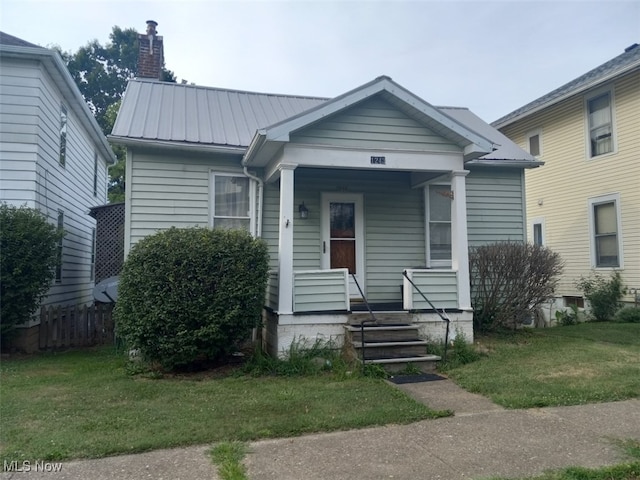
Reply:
x=423, y=377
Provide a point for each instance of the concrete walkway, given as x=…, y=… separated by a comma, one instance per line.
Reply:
x=480, y=440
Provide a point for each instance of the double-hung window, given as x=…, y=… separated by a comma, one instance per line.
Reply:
x=438, y=210
x=231, y=201
x=537, y=231
x=534, y=143
x=600, y=120
x=604, y=215
x=63, y=135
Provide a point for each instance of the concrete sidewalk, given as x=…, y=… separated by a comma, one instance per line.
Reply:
x=481, y=440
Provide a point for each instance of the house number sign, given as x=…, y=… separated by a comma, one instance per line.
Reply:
x=378, y=161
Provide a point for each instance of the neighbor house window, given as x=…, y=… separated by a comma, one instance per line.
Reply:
x=231, y=201
x=92, y=273
x=95, y=174
x=606, y=247
x=535, y=143
x=60, y=247
x=537, y=234
x=600, y=121
x=439, y=225
x=63, y=135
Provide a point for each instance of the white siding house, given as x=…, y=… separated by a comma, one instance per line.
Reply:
x=53, y=157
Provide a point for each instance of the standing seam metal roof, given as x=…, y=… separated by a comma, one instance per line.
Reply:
x=153, y=110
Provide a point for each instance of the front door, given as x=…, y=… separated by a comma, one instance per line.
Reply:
x=343, y=236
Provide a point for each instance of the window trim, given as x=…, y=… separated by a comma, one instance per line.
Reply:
x=530, y=135
x=427, y=211
x=92, y=266
x=601, y=200
x=538, y=221
x=252, y=197
x=95, y=173
x=609, y=89
x=63, y=135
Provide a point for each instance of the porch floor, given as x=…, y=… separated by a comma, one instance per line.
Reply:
x=377, y=307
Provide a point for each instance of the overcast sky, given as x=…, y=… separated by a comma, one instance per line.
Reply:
x=490, y=56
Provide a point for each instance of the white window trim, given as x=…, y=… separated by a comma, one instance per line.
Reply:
x=531, y=235
x=252, y=196
x=612, y=99
x=60, y=249
x=533, y=133
x=612, y=197
x=433, y=263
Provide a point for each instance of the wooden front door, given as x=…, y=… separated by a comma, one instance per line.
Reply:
x=343, y=237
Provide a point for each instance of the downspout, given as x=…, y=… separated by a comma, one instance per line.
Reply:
x=260, y=183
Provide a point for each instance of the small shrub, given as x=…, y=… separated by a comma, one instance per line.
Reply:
x=188, y=296
x=603, y=294
x=570, y=317
x=628, y=315
x=509, y=280
x=28, y=257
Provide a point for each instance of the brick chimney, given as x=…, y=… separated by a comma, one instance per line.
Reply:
x=150, y=53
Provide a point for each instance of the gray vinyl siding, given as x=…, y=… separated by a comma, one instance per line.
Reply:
x=374, y=123
x=441, y=288
x=495, y=205
x=316, y=292
x=30, y=172
x=394, y=224
x=171, y=190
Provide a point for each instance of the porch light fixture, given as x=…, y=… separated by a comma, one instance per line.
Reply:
x=303, y=211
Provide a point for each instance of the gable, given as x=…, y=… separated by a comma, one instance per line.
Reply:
x=373, y=123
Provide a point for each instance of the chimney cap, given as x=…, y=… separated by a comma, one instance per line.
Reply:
x=151, y=27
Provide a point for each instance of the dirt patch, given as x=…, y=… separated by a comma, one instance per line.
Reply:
x=570, y=372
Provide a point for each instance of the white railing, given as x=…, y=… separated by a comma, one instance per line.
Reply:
x=440, y=286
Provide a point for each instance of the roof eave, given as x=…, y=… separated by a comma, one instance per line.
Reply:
x=175, y=146
x=63, y=80
x=511, y=163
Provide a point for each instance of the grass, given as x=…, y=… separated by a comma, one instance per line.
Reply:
x=578, y=364
x=228, y=457
x=82, y=404
x=625, y=471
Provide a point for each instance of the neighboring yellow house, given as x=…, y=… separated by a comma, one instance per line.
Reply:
x=584, y=203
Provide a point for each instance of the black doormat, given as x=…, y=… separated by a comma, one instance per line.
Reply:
x=423, y=377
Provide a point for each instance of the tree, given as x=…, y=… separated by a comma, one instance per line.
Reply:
x=29, y=246
x=101, y=73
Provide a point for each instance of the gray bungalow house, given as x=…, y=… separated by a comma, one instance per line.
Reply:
x=348, y=193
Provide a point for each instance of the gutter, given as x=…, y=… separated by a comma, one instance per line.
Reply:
x=171, y=145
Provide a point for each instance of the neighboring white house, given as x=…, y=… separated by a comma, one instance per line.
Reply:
x=53, y=157
x=348, y=193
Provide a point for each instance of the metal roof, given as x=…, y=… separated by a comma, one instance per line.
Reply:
x=6, y=39
x=169, y=112
x=623, y=63
x=506, y=149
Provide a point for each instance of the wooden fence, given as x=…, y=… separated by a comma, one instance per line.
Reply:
x=76, y=326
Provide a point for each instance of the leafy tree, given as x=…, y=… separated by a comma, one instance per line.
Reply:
x=29, y=255
x=101, y=73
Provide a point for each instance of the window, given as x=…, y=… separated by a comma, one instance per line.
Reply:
x=606, y=248
x=60, y=247
x=232, y=205
x=537, y=231
x=95, y=174
x=63, y=135
x=439, y=225
x=92, y=273
x=600, y=121
x=534, y=141
x=570, y=300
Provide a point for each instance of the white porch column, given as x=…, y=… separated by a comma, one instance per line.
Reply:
x=459, y=237
x=285, y=242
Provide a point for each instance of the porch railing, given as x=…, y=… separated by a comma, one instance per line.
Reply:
x=321, y=290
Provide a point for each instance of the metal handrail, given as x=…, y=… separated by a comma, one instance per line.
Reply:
x=443, y=316
x=374, y=321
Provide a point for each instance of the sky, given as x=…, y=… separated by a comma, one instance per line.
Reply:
x=490, y=56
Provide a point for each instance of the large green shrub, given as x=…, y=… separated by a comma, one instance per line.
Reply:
x=190, y=295
x=603, y=294
x=509, y=280
x=28, y=257
x=628, y=315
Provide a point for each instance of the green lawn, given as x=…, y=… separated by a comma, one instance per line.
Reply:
x=83, y=404
x=586, y=363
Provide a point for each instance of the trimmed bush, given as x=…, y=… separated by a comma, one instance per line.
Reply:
x=191, y=295
x=509, y=280
x=603, y=294
x=28, y=257
x=628, y=315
